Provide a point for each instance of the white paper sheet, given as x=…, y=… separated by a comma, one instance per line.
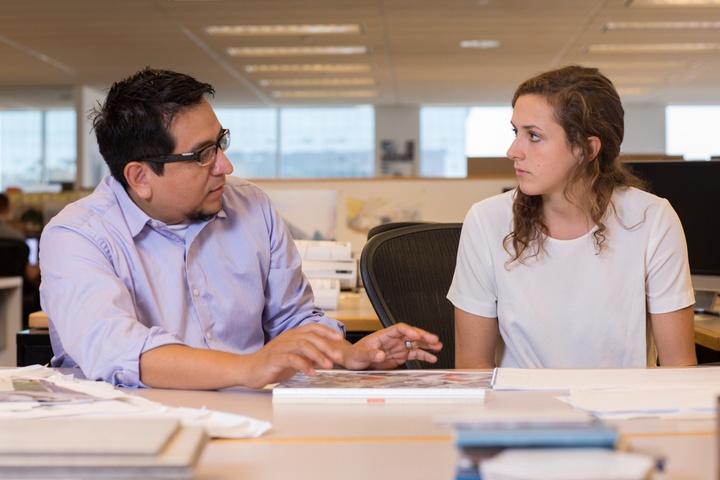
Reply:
x=113, y=402
x=566, y=379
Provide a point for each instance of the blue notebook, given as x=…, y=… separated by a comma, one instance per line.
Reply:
x=596, y=435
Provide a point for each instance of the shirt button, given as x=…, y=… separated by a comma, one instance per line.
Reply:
x=209, y=335
x=196, y=292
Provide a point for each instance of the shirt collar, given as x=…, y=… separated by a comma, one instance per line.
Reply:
x=136, y=218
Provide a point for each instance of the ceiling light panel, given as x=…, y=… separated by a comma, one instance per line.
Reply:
x=661, y=26
x=318, y=82
x=311, y=68
x=652, y=47
x=672, y=3
x=480, y=44
x=282, y=30
x=297, y=51
x=326, y=93
x=633, y=66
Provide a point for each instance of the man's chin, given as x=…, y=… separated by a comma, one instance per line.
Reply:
x=203, y=215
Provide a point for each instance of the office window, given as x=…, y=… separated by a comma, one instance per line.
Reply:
x=448, y=135
x=489, y=131
x=37, y=148
x=442, y=141
x=254, y=140
x=300, y=142
x=692, y=131
x=60, y=147
x=327, y=142
x=21, y=147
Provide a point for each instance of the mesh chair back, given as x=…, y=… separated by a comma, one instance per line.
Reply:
x=407, y=273
x=13, y=257
x=384, y=227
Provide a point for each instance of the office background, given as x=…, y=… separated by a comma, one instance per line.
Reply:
x=400, y=58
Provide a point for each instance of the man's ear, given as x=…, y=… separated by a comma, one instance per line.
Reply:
x=137, y=177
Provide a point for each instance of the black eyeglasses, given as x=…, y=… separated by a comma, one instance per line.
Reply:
x=204, y=157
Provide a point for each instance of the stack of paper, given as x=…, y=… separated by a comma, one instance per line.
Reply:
x=54, y=425
x=481, y=437
x=624, y=392
x=96, y=447
x=567, y=464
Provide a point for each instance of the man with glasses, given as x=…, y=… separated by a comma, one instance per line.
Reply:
x=173, y=274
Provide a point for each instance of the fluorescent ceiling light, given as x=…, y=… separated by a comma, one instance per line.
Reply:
x=638, y=65
x=296, y=51
x=672, y=3
x=652, y=47
x=318, y=82
x=282, y=30
x=325, y=93
x=311, y=68
x=661, y=26
x=481, y=44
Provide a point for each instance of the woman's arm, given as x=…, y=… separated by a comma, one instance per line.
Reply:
x=674, y=334
x=475, y=340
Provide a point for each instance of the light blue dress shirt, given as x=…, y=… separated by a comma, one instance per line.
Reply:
x=117, y=283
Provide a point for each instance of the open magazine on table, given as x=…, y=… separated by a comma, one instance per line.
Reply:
x=386, y=386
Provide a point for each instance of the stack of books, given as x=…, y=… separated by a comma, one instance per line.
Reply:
x=480, y=439
x=99, y=447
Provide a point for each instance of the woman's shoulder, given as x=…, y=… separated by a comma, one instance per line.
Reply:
x=496, y=203
x=634, y=198
x=633, y=205
x=492, y=210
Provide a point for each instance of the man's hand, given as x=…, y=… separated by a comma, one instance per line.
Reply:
x=387, y=348
x=300, y=349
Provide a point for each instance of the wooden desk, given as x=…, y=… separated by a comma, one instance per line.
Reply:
x=356, y=312
x=707, y=331
x=331, y=441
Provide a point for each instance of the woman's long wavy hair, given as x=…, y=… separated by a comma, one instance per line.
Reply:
x=586, y=104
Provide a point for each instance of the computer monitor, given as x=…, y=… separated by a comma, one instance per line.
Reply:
x=693, y=189
x=32, y=244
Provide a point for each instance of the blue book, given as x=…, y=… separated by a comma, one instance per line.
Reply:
x=597, y=435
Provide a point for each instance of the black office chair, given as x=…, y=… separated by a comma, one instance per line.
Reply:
x=13, y=257
x=407, y=273
x=384, y=227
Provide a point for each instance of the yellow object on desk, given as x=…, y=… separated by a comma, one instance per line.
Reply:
x=38, y=319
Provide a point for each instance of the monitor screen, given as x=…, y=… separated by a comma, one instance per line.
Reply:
x=32, y=244
x=693, y=189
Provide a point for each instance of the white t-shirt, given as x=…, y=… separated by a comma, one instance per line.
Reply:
x=572, y=307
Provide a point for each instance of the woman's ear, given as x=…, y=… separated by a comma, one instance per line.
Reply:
x=136, y=175
x=595, y=144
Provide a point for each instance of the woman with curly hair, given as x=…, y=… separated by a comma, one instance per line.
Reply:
x=577, y=267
